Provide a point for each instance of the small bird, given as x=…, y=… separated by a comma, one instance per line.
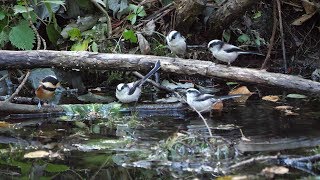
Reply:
x=47, y=88
x=204, y=102
x=226, y=52
x=176, y=43
x=130, y=92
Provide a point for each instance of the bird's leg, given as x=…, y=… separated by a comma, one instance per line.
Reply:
x=39, y=104
x=229, y=64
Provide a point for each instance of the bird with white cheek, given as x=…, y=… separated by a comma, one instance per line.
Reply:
x=130, y=92
x=176, y=43
x=226, y=52
x=46, y=89
x=204, y=102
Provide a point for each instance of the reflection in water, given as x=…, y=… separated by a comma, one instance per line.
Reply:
x=258, y=120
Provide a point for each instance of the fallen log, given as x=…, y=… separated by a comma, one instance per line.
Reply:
x=102, y=61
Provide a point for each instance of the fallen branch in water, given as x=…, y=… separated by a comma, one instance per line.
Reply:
x=101, y=61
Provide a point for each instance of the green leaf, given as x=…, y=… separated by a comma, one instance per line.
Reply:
x=22, y=36
x=232, y=83
x=56, y=168
x=32, y=15
x=296, y=96
x=118, y=7
x=2, y=15
x=243, y=38
x=94, y=47
x=166, y=2
x=21, y=9
x=81, y=46
x=132, y=18
x=74, y=34
x=52, y=33
x=226, y=35
x=59, y=2
x=257, y=15
x=141, y=12
x=4, y=38
x=133, y=8
x=257, y=41
x=130, y=35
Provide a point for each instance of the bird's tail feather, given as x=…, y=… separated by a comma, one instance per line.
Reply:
x=251, y=52
x=156, y=67
x=229, y=96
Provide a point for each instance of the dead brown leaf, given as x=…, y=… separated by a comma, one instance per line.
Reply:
x=283, y=108
x=299, y=21
x=143, y=44
x=149, y=28
x=37, y=154
x=271, y=98
x=290, y=113
x=4, y=124
x=309, y=7
x=241, y=90
x=218, y=106
x=271, y=171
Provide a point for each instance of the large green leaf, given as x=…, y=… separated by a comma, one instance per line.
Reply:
x=22, y=36
x=2, y=15
x=4, y=38
x=21, y=9
x=52, y=33
x=55, y=168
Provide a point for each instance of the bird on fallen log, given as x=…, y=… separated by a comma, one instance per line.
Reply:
x=226, y=52
x=46, y=89
x=130, y=92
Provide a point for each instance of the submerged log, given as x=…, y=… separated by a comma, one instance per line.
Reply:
x=101, y=61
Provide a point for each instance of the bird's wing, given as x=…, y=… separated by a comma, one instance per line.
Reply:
x=133, y=86
x=231, y=48
x=204, y=97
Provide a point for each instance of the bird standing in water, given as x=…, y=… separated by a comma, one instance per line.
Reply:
x=204, y=102
x=130, y=92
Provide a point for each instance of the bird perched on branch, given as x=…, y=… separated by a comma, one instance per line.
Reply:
x=176, y=43
x=226, y=52
x=47, y=88
x=130, y=92
x=204, y=102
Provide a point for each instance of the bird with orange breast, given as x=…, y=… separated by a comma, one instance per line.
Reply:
x=46, y=89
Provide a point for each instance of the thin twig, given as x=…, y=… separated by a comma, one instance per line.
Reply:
x=252, y=160
x=107, y=15
x=102, y=165
x=156, y=15
x=274, y=30
x=18, y=89
x=4, y=77
x=282, y=38
x=33, y=27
